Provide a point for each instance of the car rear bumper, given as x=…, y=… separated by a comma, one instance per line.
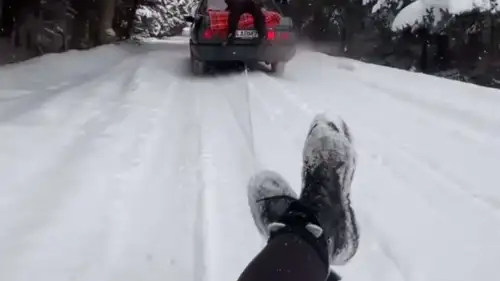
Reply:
x=267, y=53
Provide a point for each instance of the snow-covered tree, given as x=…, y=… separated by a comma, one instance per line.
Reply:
x=419, y=11
x=327, y=19
x=160, y=18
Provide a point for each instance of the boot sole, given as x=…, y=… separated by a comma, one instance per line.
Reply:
x=268, y=185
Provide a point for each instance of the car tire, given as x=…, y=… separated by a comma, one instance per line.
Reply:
x=278, y=67
x=198, y=67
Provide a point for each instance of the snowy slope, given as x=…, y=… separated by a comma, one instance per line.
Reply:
x=117, y=165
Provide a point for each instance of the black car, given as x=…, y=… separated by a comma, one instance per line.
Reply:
x=207, y=46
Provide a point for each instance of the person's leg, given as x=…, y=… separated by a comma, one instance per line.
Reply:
x=287, y=257
x=292, y=251
x=235, y=12
x=258, y=17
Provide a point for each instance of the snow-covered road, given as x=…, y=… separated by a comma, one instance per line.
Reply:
x=116, y=164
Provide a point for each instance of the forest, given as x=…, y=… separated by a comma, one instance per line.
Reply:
x=458, y=40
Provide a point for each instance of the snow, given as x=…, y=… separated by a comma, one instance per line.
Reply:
x=379, y=4
x=415, y=12
x=116, y=164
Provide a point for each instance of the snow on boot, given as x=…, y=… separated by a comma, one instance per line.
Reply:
x=269, y=196
x=328, y=169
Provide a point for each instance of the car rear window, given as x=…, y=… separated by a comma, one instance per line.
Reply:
x=216, y=4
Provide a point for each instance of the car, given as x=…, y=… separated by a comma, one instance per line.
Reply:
x=208, y=32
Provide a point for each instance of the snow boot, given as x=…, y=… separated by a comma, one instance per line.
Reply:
x=322, y=216
x=269, y=196
x=329, y=163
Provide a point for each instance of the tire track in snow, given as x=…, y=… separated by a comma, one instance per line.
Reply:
x=244, y=108
x=30, y=102
x=383, y=245
x=49, y=197
x=201, y=222
x=282, y=138
x=128, y=180
x=130, y=154
x=181, y=129
x=73, y=196
x=226, y=165
x=161, y=188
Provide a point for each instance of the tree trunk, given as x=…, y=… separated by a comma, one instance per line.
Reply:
x=1, y=12
x=107, y=13
x=443, y=53
x=131, y=19
x=493, y=44
x=79, y=32
x=424, y=37
x=7, y=17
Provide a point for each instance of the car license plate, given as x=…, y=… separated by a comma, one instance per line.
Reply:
x=246, y=34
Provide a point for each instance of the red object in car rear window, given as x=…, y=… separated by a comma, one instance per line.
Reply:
x=208, y=34
x=219, y=20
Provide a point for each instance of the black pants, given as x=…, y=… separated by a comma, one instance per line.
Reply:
x=286, y=257
x=238, y=8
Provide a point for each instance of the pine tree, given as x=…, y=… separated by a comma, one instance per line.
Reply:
x=160, y=18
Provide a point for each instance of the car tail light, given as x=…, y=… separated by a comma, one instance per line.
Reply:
x=208, y=34
x=271, y=35
x=274, y=35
